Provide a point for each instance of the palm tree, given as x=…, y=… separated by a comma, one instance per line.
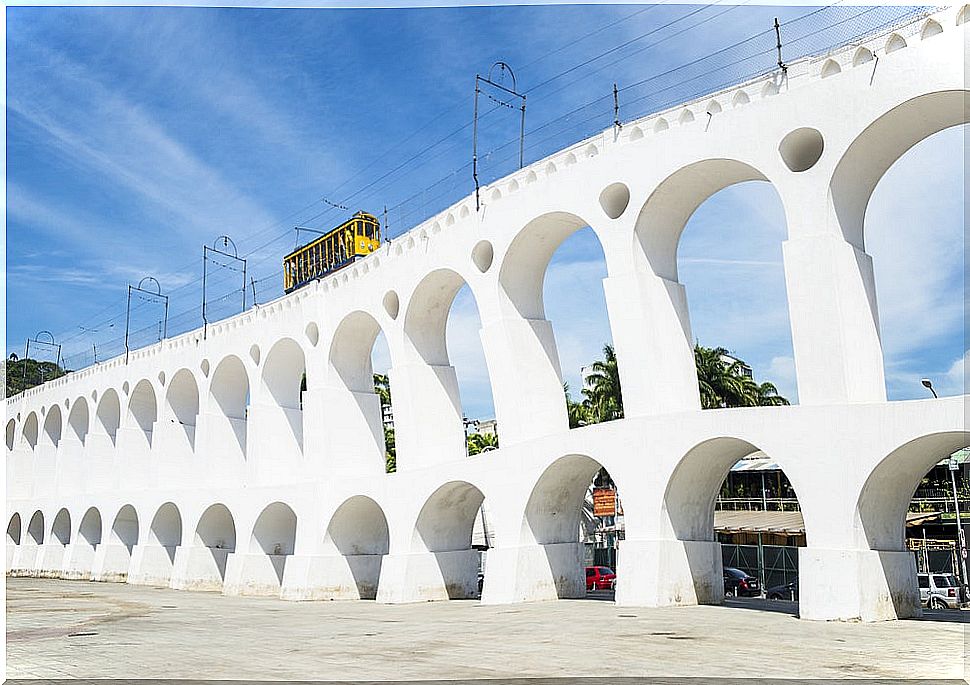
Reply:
x=382, y=386
x=603, y=395
x=578, y=412
x=480, y=442
x=723, y=384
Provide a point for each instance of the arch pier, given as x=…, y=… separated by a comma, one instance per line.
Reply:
x=249, y=458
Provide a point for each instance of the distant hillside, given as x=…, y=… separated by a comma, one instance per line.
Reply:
x=36, y=373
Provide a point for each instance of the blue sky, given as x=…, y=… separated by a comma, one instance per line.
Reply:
x=135, y=136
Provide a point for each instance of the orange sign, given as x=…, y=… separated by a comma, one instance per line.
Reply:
x=604, y=502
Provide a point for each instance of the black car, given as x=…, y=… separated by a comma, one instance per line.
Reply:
x=788, y=591
x=737, y=583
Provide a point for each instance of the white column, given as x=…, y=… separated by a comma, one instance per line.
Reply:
x=427, y=414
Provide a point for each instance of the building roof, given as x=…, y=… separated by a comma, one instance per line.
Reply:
x=785, y=522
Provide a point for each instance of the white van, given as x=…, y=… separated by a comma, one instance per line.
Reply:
x=938, y=590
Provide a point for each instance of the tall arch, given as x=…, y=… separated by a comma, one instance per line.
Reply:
x=53, y=426
x=444, y=528
x=166, y=529
x=109, y=414
x=436, y=383
x=883, y=142
x=182, y=398
x=30, y=431
x=11, y=434
x=79, y=419
x=230, y=390
x=14, y=530
x=283, y=378
x=61, y=528
x=143, y=409
x=124, y=529
x=275, y=535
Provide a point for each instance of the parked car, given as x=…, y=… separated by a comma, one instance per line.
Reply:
x=787, y=591
x=599, y=578
x=737, y=583
x=938, y=590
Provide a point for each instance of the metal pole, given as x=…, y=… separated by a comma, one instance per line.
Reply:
x=127, y=321
x=244, y=286
x=252, y=282
x=616, y=108
x=522, y=136
x=961, y=546
x=205, y=324
x=475, y=144
x=781, y=63
x=165, y=331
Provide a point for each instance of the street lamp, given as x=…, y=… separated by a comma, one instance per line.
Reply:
x=928, y=384
x=961, y=540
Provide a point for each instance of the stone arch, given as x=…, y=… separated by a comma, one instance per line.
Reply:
x=35, y=529
x=552, y=518
x=166, y=527
x=30, y=431
x=444, y=529
x=11, y=434
x=124, y=529
x=229, y=388
x=274, y=532
x=964, y=15
x=861, y=56
x=740, y=98
x=351, y=349
x=182, y=399
x=661, y=125
x=358, y=532
x=686, y=116
x=886, y=494
x=830, y=68
x=53, y=426
x=894, y=43
x=91, y=527
x=930, y=29
x=216, y=531
x=14, y=530
x=79, y=420
x=666, y=212
x=109, y=414
x=284, y=378
x=143, y=408
x=882, y=142
x=770, y=89
x=61, y=528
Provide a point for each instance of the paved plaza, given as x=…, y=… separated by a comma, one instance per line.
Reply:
x=69, y=629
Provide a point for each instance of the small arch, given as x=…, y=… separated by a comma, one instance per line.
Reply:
x=109, y=414
x=312, y=332
x=592, y=150
x=275, y=535
x=204, y=366
x=166, y=529
x=496, y=194
x=11, y=434
x=435, y=228
x=570, y=159
x=35, y=529
x=801, y=149
x=61, y=529
x=91, y=527
x=830, y=68
x=161, y=378
x=894, y=43
x=861, y=56
x=392, y=304
x=636, y=133
x=13, y=530
x=551, y=169
x=124, y=530
x=79, y=420
x=531, y=177
x=614, y=199
x=713, y=107
x=513, y=186
x=482, y=255
x=216, y=530
x=254, y=354
x=770, y=90
x=450, y=220
x=930, y=29
x=463, y=213
x=964, y=15
x=30, y=430
x=143, y=408
x=661, y=125
x=686, y=116
x=740, y=98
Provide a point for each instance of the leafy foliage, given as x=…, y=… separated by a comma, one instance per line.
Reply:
x=480, y=442
x=382, y=386
x=22, y=374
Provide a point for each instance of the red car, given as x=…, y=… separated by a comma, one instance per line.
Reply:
x=599, y=578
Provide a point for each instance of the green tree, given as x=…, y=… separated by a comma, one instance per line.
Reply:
x=578, y=412
x=22, y=374
x=382, y=387
x=479, y=442
x=602, y=395
x=390, y=454
x=724, y=384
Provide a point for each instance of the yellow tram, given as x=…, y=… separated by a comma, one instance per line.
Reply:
x=357, y=237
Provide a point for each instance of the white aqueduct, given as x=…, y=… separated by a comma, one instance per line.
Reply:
x=199, y=465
